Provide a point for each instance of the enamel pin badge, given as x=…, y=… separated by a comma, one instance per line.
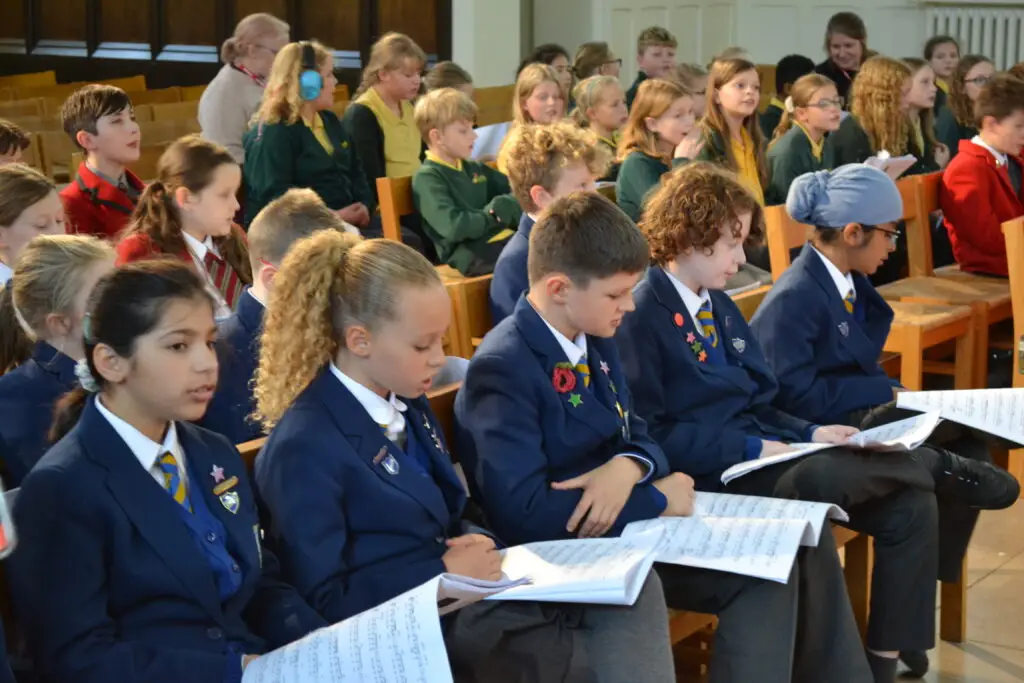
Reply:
x=386, y=460
x=433, y=434
x=739, y=344
x=230, y=501
x=844, y=329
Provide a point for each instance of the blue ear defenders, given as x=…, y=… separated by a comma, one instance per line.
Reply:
x=310, y=80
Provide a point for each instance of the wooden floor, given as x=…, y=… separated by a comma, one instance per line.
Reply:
x=994, y=649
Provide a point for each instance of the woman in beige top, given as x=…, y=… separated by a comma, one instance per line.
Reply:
x=234, y=95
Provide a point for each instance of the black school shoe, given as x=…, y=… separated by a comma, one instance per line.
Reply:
x=917, y=661
x=976, y=484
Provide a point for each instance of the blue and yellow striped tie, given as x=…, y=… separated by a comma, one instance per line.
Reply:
x=849, y=300
x=707, y=323
x=173, y=481
x=584, y=369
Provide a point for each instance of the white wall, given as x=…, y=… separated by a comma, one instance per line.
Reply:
x=486, y=39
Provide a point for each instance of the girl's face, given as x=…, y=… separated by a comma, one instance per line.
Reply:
x=211, y=211
x=905, y=88
x=712, y=271
x=823, y=112
x=873, y=247
x=610, y=112
x=740, y=96
x=699, y=87
x=326, y=98
x=172, y=372
x=922, y=89
x=976, y=78
x=561, y=66
x=846, y=52
x=45, y=217
x=545, y=104
x=403, y=83
x=945, y=58
x=676, y=123
x=405, y=354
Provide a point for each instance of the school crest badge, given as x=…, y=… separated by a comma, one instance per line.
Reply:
x=231, y=502
x=739, y=344
x=844, y=329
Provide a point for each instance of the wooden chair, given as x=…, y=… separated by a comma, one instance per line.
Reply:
x=192, y=93
x=144, y=168
x=36, y=124
x=57, y=91
x=7, y=94
x=394, y=196
x=130, y=84
x=160, y=96
x=494, y=105
x=1013, y=232
x=16, y=109
x=471, y=312
x=56, y=149
x=917, y=325
x=748, y=302
x=32, y=155
x=30, y=80
x=341, y=93
x=167, y=130
x=176, y=111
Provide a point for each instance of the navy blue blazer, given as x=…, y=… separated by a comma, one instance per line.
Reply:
x=511, y=278
x=239, y=356
x=27, y=397
x=699, y=412
x=6, y=675
x=517, y=434
x=350, y=534
x=109, y=584
x=826, y=362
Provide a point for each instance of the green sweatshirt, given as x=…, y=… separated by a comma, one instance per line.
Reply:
x=468, y=213
x=790, y=157
x=638, y=175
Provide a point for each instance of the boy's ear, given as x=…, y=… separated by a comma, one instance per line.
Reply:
x=853, y=234
x=556, y=287
x=540, y=197
x=433, y=137
x=85, y=140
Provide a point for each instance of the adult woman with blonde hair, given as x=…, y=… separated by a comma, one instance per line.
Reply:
x=234, y=94
x=297, y=141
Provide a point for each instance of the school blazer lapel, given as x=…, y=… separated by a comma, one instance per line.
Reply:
x=579, y=403
x=431, y=438
x=149, y=508
x=368, y=440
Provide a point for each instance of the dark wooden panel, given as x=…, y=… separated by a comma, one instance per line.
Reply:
x=191, y=22
x=243, y=8
x=61, y=19
x=123, y=21
x=335, y=24
x=12, y=19
x=415, y=18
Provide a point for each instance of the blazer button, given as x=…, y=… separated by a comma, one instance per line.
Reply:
x=211, y=537
x=235, y=568
x=214, y=633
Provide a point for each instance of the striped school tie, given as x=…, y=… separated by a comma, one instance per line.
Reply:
x=707, y=323
x=224, y=278
x=849, y=300
x=584, y=369
x=172, y=480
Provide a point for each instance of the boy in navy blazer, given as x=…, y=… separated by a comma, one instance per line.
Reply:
x=554, y=448
x=294, y=215
x=543, y=164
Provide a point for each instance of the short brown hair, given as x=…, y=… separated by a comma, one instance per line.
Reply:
x=441, y=108
x=1001, y=97
x=692, y=206
x=587, y=237
x=654, y=36
x=447, y=75
x=537, y=155
x=296, y=214
x=12, y=137
x=87, y=105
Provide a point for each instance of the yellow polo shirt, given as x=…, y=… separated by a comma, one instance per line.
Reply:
x=402, y=141
x=746, y=164
x=316, y=124
x=817, y=148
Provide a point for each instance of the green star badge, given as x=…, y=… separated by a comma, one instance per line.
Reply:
x=575, y=400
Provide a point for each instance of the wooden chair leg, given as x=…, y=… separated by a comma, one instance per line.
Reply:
x=981, y=324
x=857, y=569
x=912, y=363
x=953, y=614
x=965, y=362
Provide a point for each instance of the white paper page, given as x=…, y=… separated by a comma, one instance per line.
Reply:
x=799, y=451
x=765, y=548
x=894, y=167
x=902, y=435
x=592, y=570
x=996, y=411
x=758, y=507
x=455, y=592
x=488, y=141
x=397, y=642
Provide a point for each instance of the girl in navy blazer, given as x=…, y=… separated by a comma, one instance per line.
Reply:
x=826, y=357
x=140, y=554
x=363, y=499
x=42, y=313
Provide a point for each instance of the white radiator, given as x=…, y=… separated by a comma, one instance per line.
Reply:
x=991, y=31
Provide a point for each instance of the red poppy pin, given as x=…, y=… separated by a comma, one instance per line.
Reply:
x=563, y=378
x=678, y=319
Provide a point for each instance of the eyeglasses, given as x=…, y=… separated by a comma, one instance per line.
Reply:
x=978, y=80
x=617, y=62
x=893, y=235
x=823, y=105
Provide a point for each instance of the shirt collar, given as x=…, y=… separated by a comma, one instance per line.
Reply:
x=817, y=148
x=575, y=349
x=119, y=182
x=693, y=301
x=6, y=273
x=200, y=248
x=999, y=156
x=145, y=450
x=776, y=102
x=253, y=295
x=457, y=166
x=844, y=283
x=381, y=410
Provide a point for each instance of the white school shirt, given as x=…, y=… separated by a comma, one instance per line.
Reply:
x=999, y=156
x=843, y=282
x=692, y=301
x=386, y=412
x=198, y=250
x=145, y=450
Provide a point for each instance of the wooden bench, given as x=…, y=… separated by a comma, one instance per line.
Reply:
x=29, y=80
x=494, y=105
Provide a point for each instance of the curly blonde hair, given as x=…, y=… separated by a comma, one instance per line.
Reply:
x=875, y=103
x=723, y=71
x=959, y=103
x=692, y=207
x=327, y=283
x=537, y=155
x=281, y=100
x=653, y=98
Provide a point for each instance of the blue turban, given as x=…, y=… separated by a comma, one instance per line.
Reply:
x=855, y=193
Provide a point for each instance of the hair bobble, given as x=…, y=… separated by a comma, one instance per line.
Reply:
x=85, y=378
x=790, y=107
x=87, y=328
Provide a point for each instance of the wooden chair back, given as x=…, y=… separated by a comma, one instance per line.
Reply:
x=7, y=94
x=919, y=235
x=494, y=105
x=30, y=80
x=784, y=234
x=130, y=84
x=17, y=109
x=341, y=93
x=176, y=111
x=1013, y=233
x=159, y=96
x=32, y=156
x=35, y=124
x=471, y=312
x=767, y=74
x=249, y=450
x=58, y=91
x=56, y=149
x=394, y=196
x=192, y=93
x=144, y=168
x=442, y=404
x=167, y=130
